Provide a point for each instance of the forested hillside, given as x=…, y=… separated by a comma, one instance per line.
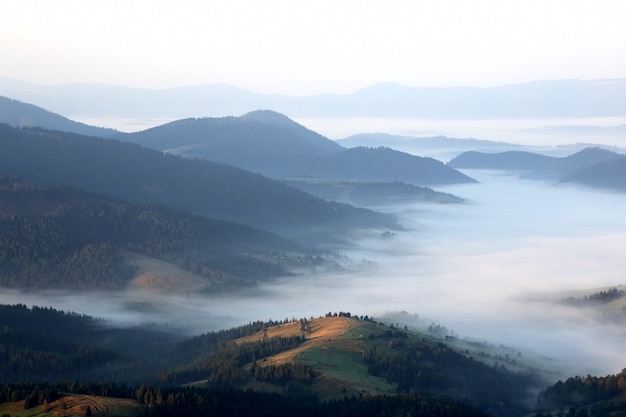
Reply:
x=271, y=144
x=18, y=114
x=44, y=344
x=62, y=237
x=338, y=357
x=585, y=396
x=133, y=173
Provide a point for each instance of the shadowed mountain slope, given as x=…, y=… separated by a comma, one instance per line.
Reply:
x=18, y=114
x=535, y=165
x=270, y=143
x=548, y=98
x=608, y=174
x=133, y=173
x=63, y=237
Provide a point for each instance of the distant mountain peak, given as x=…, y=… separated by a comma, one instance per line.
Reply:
x=270, y=117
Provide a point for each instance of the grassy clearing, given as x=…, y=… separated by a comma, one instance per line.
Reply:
x=345, y=368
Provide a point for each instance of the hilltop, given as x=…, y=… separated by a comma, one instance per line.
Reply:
x=272, y=144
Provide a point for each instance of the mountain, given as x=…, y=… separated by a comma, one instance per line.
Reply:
x=18, y=114
x=64, y=238
x=607, y=174
x=271, y=144
x=536, y=165
x=134, y=174
x=330, y=358
x=261, y=141
x=548, y=98
x=605, y=395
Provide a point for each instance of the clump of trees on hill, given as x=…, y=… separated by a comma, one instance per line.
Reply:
x=585, y=396
x=417, y=366
x=600, y=297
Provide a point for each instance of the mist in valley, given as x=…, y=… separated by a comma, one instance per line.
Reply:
x=490, y=270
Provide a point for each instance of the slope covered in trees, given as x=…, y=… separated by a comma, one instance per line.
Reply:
x=133, y=173
x=585, y=396
x=272, y=144
x=18, y=114
x=62, y=237
x=44, y=344
x=318, y=358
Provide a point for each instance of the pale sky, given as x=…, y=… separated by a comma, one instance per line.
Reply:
x=310, y=47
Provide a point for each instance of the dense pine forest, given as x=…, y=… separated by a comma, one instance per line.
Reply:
x=62, y=237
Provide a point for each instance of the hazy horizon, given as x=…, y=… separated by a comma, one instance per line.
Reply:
x=282, y=47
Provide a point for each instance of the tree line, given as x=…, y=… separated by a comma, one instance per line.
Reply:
x=226, y=402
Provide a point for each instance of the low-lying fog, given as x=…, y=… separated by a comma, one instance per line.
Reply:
x=478, y=269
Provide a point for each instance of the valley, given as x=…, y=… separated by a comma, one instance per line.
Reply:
x=488, y=267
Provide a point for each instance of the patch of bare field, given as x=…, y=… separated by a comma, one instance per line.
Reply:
x=160, y=276
x=319, y=331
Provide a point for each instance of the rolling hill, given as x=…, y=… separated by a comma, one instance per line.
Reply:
x=540, y=166
x=18, y=114
x=609, y=174
x=137, y=174
x=271, y=144
x=330, y=358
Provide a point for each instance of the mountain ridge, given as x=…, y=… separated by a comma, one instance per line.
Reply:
x=133, y=173
x=543, y=98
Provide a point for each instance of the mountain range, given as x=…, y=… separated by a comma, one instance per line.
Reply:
x=272, y=144
x=591, y=166
x=549, y=98
x=133, y=173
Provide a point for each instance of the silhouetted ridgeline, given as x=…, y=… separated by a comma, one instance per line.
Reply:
x=595, y=167
x=270, y=143
x=44, y=344
x=134, y=173
x=18, y=114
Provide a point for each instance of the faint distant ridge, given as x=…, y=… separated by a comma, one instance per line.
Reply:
x=608, y=174
x=591, y=166
x=270, y=143
x=18, y=114
x=547, y=98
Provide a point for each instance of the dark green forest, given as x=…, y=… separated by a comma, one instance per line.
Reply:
x=226, y=402
x=49, y=346
x=585, y=396
x=62, y=237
